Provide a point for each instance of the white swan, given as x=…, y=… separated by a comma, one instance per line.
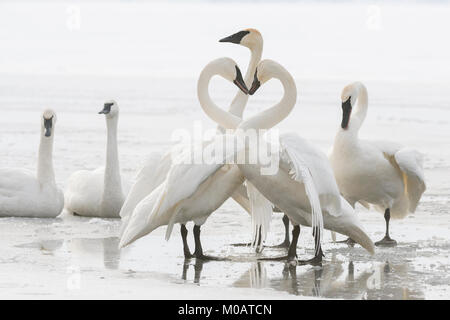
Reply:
x=24, y=194
x=190, y=192
x=157, y=165
x=304, y=187
x=99, y=193
x=381, y=173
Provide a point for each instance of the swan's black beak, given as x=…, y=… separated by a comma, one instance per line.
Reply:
x=48, y=123
x=106, y=108
x=239, y=81
x=256, y=84
x=346, y=111
x=235, y=38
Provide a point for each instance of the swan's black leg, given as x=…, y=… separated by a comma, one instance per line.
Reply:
x=387, y=241
x=317, y=260
x=198, y=267
x=286, y=242
x=292, y=251
x=184, y=233
x=198, y=253
x=185, y=269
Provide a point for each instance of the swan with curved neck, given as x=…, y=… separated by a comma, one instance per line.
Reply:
x=190, y=192
x=304, y=187
x=155, y=170
x=23, y=194
x=99, y=193
x=378, y=173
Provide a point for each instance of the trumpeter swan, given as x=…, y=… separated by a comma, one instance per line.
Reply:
x=252, y=39
x=156, y=167
x=99, y=193
x=24, y=194
x=190, y=192
x=381, y=173
x=304, y=187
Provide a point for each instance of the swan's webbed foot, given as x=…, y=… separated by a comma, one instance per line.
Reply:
x=204, y=257
x=292, y=252
x=242, y=244
x=284, y=245
x=282, y=258
x=198, y=253
x=386, y=242
x=349, y=241
x=316, y=261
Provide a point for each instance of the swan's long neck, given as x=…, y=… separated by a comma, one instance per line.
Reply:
x=112, y=181
x=360, y=113
x=218, y=115
x=240, y=100
x=272, y=116
x=357, y=117
x=45, y=172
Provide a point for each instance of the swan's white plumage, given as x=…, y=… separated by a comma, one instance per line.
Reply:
x=149, y=177
x=261, y=210
x=27, y=194
x=312, y=162
x=22, y=195
x=100, y=192
x=381, y=174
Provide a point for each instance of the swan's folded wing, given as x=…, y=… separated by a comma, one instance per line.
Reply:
x=187, y=173
x=301, y=154
x=150, y=176
x=141, y=222
x=411, y=164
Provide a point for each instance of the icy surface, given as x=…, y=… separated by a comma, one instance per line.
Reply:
x=147, y=56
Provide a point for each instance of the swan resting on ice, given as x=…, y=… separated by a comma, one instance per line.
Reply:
x=99, y=193
x=24, y=194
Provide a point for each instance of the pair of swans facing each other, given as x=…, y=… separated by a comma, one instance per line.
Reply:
x=189, y=192
x=25, y=194
x=99, y=193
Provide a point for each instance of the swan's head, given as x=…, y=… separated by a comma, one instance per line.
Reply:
x=110, y=109
x=250, y=38
x=228, y=69
x=348, y=97
x=48, y=122
x=266, y=70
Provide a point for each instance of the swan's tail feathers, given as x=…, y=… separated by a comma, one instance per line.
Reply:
x=171, y=223
x=301, y=173
x=144, y=218
x=357, y=234
x=410, y=163
x=261, y=212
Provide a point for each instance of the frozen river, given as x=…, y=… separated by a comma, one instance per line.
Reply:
x=74, y=57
